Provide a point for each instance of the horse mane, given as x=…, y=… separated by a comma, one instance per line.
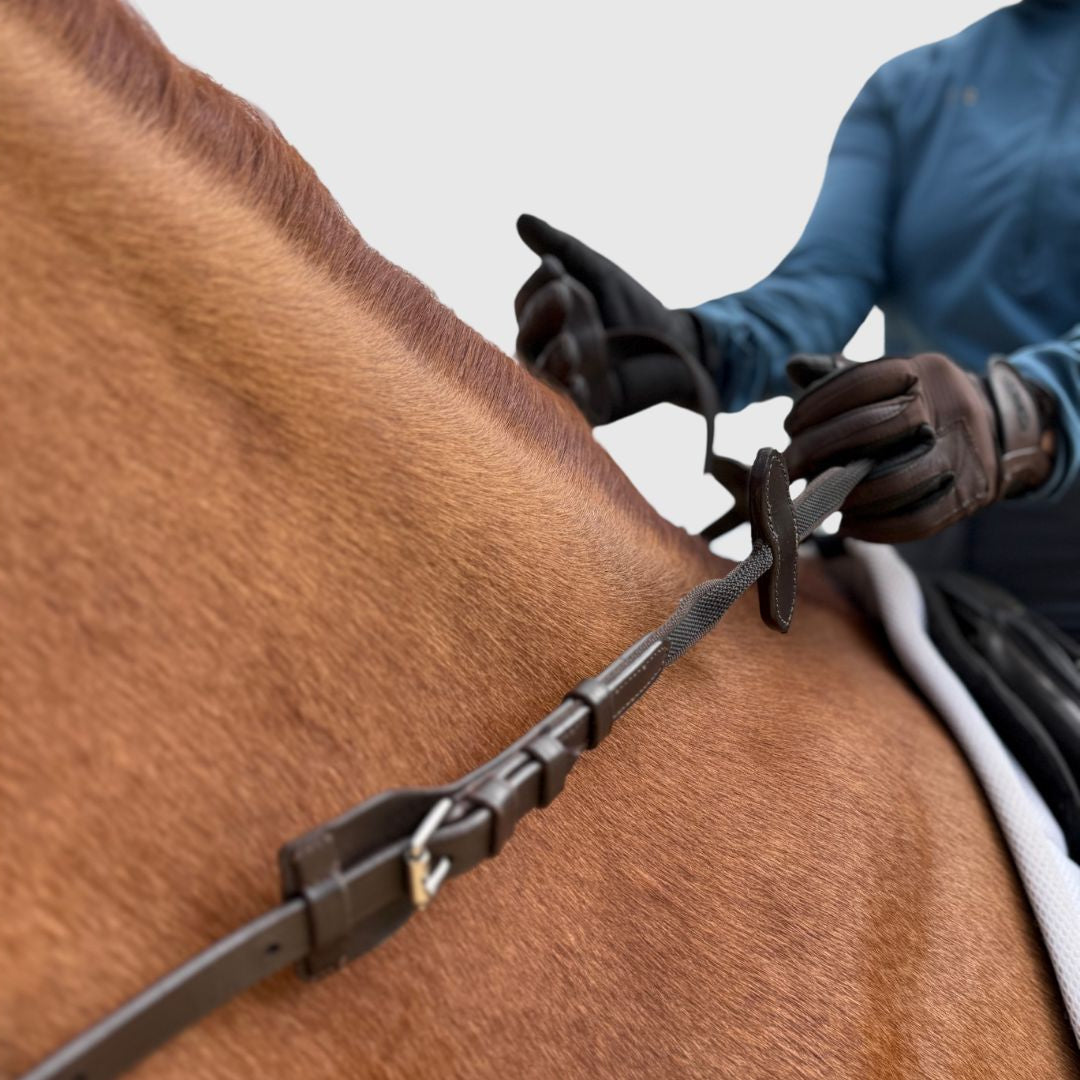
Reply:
x=117, y=50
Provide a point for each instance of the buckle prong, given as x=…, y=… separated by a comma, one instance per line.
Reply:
x=424, y=882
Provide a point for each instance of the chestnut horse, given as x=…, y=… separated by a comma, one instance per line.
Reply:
x=280, y=532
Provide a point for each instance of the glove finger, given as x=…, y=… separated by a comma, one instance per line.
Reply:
x=562, y=363
x=550, y=269
x=861, y=384
x=868, y=431
x=543, y=318
x=901, y=483
x=579, y=259
x=935, y=509
x=558, y=360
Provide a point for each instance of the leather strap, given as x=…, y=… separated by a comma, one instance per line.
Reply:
x=343, y=884
x=1025, y=464
x=207, y=981
x=734, y=476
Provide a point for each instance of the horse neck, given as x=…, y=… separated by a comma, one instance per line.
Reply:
x=281, y=533
x=265, y=507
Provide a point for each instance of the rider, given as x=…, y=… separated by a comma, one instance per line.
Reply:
x=952, y=201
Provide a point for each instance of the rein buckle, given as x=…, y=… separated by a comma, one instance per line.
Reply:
x=424, y=882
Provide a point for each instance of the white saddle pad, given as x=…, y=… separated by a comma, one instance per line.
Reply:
x=890, y=592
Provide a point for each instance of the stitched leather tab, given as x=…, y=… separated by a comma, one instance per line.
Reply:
x=772, y=523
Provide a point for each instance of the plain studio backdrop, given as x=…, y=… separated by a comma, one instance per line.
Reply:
x=687, y=141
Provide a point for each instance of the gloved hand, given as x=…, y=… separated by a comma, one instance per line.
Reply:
x=947, y=442
x=568, y=312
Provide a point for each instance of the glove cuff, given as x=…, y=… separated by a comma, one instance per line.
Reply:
x=1022, y=418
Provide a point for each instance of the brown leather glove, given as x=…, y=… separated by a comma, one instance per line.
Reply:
x=589, y=327
x=947, y=442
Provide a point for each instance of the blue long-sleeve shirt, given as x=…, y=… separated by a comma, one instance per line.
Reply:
x=952, y=201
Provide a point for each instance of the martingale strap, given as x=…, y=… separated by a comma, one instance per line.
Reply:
x=350, y=883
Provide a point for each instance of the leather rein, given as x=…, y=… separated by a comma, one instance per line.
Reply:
x=350, y=883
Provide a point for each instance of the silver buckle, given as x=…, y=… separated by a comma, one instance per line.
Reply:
x=424, y=882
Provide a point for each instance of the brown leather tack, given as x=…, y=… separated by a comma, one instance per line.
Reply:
x=504, y=802
x=772, y=522
x=555, y=760
x=317, y=866
x=601, y=701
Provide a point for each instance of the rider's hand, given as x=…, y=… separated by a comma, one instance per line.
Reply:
x=568, y=310
x=947, y=442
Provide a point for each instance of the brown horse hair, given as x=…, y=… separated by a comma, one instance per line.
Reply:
x=263, y=560
x=115, y=48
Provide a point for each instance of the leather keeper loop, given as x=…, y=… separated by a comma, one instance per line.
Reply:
x=772, y=523
x=601, y=701
x=503, y=800
x=318, y=873
x=555, y=760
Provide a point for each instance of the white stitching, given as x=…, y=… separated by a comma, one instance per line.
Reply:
x=643, y=672
x=652, y=678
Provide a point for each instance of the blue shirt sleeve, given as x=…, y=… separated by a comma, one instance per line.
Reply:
x=1055, y=365
x=819, y=295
